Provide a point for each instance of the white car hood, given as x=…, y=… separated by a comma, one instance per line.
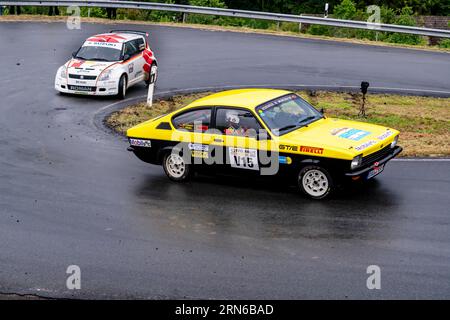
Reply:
x=86, y=67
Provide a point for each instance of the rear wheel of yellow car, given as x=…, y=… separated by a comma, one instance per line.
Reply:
x=176, y=167
x=315, y=182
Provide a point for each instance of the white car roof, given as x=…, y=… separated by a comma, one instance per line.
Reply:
x=114, y=40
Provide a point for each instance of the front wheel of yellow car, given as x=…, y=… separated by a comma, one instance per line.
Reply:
x=315, y=182
x=176, y=167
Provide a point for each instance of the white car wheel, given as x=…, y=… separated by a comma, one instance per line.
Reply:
x=176, y=167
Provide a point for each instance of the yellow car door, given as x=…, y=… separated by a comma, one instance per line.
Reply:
x=236, y=137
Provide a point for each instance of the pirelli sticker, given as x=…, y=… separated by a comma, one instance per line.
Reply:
x=305, y=149
x=313, y=150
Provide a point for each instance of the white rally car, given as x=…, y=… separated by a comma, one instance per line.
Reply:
x=108, y=64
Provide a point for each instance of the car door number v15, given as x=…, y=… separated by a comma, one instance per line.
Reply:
x=243, y=158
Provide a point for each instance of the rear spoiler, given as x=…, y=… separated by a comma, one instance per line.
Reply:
x=142, y=33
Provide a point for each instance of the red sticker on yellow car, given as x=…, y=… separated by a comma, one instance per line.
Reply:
x=311, y=150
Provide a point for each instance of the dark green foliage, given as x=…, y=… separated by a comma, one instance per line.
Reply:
x=400, y=12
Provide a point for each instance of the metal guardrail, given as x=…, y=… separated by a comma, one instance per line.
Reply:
x=238, y=14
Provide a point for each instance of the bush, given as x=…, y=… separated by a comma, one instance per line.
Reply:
x=405, y=19
x=95, y=12
x=205, y=19
x=165, y=16
x=319, y=30
x=345, y=10
x=445, y=44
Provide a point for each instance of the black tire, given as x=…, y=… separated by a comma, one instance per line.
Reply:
x=122, y=90
x=147, y=82
x=178, y=174
x=315, y=182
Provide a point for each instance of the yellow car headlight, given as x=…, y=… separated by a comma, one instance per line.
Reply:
x=394, y=143
x=356, y=162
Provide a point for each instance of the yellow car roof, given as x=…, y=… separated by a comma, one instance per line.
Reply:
x=247, y=98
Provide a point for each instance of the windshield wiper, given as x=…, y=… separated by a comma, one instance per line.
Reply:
x=100, y=59
x=291, y=126
x=288, y=127
x=306, y=119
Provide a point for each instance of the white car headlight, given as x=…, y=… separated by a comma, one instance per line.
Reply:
x=356, y=162
x=63, y=72
x=105, y=75
x=394, y=143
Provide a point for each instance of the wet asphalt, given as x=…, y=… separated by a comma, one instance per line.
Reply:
x=70, y=193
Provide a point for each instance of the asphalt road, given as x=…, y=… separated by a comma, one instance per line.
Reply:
x=71, y=194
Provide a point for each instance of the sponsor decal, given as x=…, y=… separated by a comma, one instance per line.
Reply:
x=284, y=160
x=311, y=150
x=110, y=38
x=117, y=46
x=141, y=143
x=243, y=158
x=198, y=147
x=350, y=133
x=338, y=130
x=276, y=102
x=385, y=135
x=130, y=68
x=76, y=63
x=200, y=154
x=365, y=145
x=285, y=147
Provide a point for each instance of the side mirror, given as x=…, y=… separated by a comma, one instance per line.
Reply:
x=74, y=54
x=126, y=57
x=322, y=111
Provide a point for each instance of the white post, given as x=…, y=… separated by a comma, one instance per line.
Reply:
x=300, y=26
x=326, y=10
x=151, y=86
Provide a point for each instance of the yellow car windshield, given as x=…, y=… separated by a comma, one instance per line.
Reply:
x=287, y=113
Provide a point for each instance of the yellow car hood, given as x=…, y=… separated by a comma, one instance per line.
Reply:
x=336, y=138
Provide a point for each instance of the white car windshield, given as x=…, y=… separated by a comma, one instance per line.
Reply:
x=98, y=53
x=287, y=113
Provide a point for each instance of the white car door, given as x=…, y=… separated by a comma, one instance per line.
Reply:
x=135, y=63
x=140, y=61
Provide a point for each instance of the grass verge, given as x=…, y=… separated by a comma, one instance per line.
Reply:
x=48, y=19
x=424, y=122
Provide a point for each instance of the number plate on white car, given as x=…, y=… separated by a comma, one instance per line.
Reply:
x=375, y=171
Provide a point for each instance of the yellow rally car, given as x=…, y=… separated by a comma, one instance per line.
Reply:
x=264, y=132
